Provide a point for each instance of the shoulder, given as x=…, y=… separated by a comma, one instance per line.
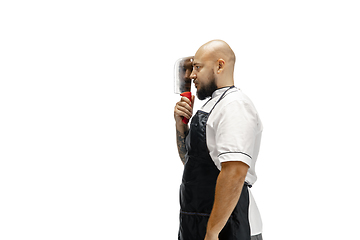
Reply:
x=236, y=110
x=235, y=98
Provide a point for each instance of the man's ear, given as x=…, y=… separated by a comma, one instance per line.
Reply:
x=220, y=65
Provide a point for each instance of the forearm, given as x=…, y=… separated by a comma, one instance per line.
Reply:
x=227, y=194
x=181, y=133
x=182, y=109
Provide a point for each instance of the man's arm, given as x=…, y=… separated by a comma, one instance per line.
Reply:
x=180, y=140
x=227, y=194
x=182, y=109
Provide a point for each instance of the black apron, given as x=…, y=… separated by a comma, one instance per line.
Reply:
x=197, y=191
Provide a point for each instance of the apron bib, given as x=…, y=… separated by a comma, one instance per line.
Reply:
x=197, y=191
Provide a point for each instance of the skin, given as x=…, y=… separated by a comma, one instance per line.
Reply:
x=213, y=63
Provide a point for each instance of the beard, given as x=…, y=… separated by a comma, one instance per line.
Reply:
x=207, y=90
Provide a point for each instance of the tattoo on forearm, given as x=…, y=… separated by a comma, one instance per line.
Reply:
x=180, y=139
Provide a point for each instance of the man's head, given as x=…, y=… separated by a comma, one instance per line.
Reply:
x=213, y=68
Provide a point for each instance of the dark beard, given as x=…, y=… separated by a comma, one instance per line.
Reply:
x=206, y=91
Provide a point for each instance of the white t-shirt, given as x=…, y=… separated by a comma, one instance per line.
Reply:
x=233, y=133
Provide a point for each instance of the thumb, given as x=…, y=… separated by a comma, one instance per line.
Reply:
x=192, y=100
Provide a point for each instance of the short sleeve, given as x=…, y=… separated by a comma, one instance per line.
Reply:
x=236, y=132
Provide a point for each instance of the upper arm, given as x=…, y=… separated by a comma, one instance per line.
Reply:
x=236, y=132
x=235, y=168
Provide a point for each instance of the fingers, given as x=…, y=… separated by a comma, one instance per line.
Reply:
x=183, y=112
x=185, y=99
x=183, y=108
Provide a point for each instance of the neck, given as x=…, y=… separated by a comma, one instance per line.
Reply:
x=228, y=83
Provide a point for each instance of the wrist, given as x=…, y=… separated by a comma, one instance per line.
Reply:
x=211, y=235
x=212, y=232
x=181, y=127
x=213, y=229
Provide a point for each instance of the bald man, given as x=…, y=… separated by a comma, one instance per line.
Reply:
x=219, y=151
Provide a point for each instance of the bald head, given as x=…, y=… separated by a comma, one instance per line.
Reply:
x=217, y=49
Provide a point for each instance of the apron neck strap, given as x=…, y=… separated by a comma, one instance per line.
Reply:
x=222, y=96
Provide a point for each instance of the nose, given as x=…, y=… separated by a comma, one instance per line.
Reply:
x=193, y=75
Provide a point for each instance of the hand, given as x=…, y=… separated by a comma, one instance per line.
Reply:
x=183, y=108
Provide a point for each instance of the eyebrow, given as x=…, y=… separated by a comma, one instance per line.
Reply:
x=196, y=63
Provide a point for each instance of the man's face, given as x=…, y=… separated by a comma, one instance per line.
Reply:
x=185, y=72
x=204, y=78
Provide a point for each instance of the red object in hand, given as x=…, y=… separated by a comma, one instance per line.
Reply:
x=188, y=95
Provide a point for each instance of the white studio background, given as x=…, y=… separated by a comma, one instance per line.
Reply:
x=87, y=138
